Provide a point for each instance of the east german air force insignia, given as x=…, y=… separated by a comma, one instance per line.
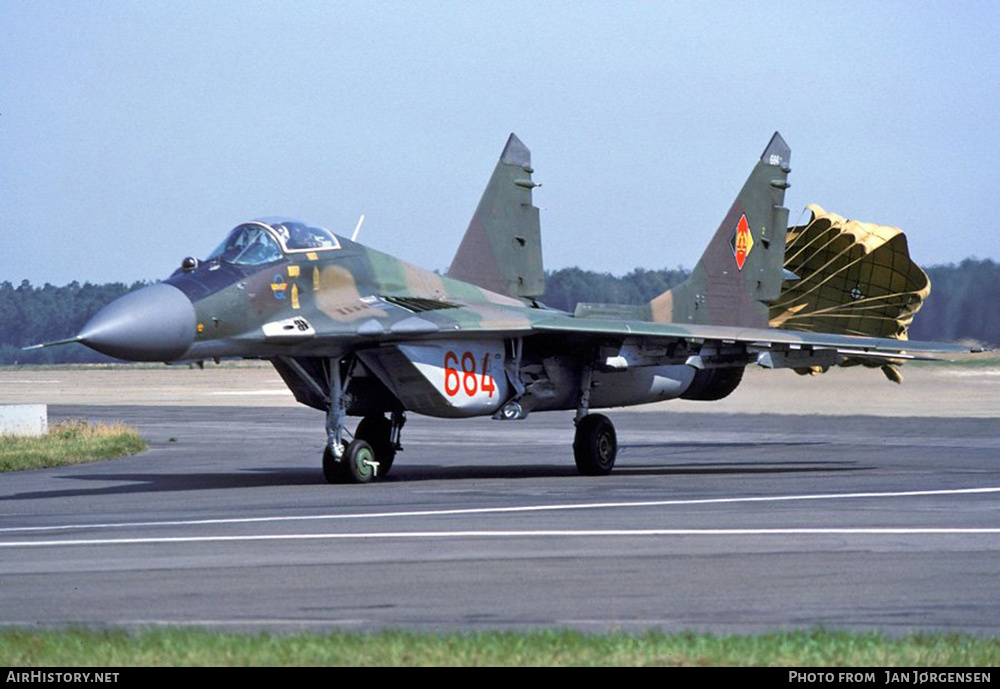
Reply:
x=741, y=241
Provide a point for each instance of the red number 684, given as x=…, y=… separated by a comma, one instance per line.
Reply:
x=465, y=380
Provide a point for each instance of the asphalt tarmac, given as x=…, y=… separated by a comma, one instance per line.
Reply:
x=711, y=521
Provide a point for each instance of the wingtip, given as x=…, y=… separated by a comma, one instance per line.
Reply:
x=515, y=152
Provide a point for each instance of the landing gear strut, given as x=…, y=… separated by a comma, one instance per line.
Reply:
x=369, y=456
x=595, y=445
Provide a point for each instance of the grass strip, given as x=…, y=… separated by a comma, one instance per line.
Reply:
x=69, y=442
x=176, y=647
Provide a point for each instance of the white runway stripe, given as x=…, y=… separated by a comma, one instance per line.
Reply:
x=583, y=533
x=507, y=510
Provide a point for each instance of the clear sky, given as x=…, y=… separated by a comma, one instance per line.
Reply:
x=133, y=134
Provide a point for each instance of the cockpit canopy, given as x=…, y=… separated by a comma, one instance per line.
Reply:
x=248, y=245
x=264, y=241
x=297, y=236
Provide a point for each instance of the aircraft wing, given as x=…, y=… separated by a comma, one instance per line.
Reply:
x=481, y=320
x=764, y=341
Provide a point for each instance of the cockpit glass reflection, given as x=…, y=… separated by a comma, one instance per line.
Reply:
x=298, y=236
x=248, y=245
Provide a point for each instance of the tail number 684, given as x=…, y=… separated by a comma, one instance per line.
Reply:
x=460, y=375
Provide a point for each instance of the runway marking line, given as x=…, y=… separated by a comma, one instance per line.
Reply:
x=501, y=510
x=509, y=510
x=582, y=533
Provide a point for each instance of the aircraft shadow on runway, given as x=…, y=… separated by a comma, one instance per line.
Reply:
x=134, y=483
x=417, y=472
x=165, y=483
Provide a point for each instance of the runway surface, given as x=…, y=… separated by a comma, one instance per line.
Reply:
x=711, y=521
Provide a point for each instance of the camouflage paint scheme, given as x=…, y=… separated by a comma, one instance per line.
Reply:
x=332, y=287
x=354, y=331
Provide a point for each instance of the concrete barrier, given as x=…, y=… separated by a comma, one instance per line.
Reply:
x=24, y=419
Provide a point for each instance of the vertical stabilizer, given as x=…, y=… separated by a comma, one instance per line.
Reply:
x=741, y=271
x=502, y=248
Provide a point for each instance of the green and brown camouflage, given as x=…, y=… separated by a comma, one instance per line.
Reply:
x=740, y=273
x=502, y=247
x=354, y=331
x=358, y=293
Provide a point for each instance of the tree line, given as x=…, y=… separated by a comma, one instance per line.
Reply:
x=30, y=315
x=964, y=304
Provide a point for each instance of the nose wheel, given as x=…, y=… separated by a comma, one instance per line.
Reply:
x=370, y=455
x=358, y=464
x=383, y=436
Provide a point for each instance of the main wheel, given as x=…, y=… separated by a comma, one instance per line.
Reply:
x=359, y=462
x=595, y=446
x=377, y=431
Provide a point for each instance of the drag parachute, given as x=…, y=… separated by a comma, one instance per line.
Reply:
x=854, y=278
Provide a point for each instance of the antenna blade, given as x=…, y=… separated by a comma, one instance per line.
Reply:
x=357, y=228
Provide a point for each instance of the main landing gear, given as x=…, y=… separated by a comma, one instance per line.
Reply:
x=595, y=445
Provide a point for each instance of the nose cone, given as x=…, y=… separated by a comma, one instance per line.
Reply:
x=155, y=323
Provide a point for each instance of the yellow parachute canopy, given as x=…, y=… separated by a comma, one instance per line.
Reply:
x=855, y=278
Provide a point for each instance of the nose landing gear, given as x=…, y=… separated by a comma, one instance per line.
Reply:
x=357, y=465
x=376, y=441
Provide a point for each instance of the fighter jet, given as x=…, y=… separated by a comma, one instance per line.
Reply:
x=355, y=332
